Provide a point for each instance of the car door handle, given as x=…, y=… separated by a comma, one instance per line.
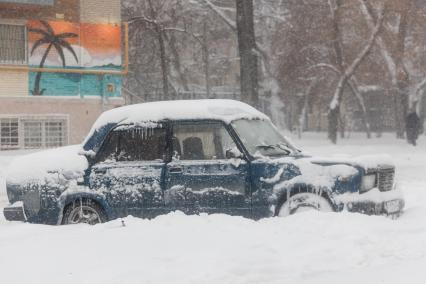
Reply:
x=176, y=170
x=100, y=171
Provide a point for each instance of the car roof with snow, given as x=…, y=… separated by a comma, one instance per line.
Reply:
x=148, y=113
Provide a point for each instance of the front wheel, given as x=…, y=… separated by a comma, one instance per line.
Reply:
x=305, y=201
x=83, y=211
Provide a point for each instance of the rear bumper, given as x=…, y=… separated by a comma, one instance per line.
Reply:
x=15, y=213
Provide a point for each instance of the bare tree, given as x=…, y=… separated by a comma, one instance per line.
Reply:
x=247, y=49
x=349, y=70
x=266, y=14
x=394, y=61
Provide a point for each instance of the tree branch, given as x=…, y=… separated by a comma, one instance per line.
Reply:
x=349, y=71
x=390, y=62
x=230, y=23
x=143, y=19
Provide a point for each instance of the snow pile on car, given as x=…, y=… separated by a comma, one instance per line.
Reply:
x=367, y=162
x=225, y=110
x=318, y=176
x=60, y=163
x=321, y=174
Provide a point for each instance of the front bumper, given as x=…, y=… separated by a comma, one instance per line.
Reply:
x=392, y=207
x=15, y=213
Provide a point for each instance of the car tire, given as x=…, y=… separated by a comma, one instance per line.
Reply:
x=84, y=211
x=304, y=201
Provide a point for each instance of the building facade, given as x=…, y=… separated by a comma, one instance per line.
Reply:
x=61, y=65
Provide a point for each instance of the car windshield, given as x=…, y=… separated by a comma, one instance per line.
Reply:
x=261, y=138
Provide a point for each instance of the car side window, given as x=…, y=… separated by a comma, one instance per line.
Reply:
x=201, y=141
x=134, y=144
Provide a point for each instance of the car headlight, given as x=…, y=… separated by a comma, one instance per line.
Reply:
x=368, y=182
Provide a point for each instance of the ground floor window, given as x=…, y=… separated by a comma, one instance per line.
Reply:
x=55, y=133
x=9, y=133
x=33, y=132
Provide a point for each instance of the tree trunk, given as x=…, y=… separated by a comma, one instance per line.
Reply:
x=401, y=103
x=333, y=124
x=206, y=59
x=345, y=76
x=248, y=54
x=338, y=50
x=36, y=91
x=176, y=61
x=163, y=59
x=360, y=100
x=402, y=76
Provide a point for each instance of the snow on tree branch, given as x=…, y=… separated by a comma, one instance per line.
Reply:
x=354, y=65
x=390, y=62
x=229, y=22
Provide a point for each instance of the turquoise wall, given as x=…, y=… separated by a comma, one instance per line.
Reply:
x=68, y=84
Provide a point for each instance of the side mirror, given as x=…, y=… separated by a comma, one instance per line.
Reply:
x=80, y=181
x=90, y=155
x=234, y=153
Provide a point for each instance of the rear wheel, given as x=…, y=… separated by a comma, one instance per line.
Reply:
x=304, y=201
x=83, y=211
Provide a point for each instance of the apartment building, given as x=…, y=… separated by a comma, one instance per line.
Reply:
x=61, y=65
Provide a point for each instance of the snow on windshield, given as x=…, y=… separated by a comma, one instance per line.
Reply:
x=261, y=138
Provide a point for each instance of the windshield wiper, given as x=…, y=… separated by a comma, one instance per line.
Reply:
x=285, y=147
x=266, y=146
x=276, y=146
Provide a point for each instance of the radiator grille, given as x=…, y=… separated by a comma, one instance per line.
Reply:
x=385, y=179
x=31, y=201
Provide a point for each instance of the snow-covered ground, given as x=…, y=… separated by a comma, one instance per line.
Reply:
x=306, y=248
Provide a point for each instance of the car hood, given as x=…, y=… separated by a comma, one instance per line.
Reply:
x=369, y=163
x=317, y=171
x=40, y=167
x=366, y=162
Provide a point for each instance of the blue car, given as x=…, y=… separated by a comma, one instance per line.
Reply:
x=207, y=156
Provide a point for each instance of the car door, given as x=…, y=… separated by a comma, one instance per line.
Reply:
x=129, y=170
x=200, y=178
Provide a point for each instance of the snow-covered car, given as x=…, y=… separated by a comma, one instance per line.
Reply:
x=207, y=156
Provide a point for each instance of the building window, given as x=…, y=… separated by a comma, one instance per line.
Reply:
x=12, y=44
x=32, y=133
x=44, y=134
x=9, y=134
x=55, y=133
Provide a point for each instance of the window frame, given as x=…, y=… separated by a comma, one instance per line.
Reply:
x=25, y=30
x=164, y=124
x=43, y=120
x=9, y=137
x=29, y=141
x=226, y=126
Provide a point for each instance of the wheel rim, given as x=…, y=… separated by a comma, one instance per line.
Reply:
x=304, y=202
x=84, y=214
x=304, y=208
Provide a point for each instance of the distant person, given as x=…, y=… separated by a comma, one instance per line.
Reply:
x=412, y=125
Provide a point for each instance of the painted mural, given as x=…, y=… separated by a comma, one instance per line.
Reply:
x=70, y=46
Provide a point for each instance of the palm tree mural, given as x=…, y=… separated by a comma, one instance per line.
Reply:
x=52, y=40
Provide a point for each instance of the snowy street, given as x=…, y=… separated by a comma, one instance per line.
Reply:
x=308, y=247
